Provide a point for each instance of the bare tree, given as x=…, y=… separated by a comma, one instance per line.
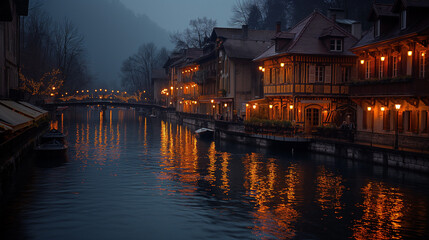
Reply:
x=68, y=45
x=136, y=71
x=196, y=35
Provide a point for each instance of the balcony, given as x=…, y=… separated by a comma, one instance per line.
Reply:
x=317, y=89
x=390, y=87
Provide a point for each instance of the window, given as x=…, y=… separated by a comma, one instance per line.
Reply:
x=288, y=74
x=394, y=66
x=381, y=70
x=336, y=45
x=368, y=69
x=345, y=74
x=377, y=28
x=422, y=63
x=386, y=120
x=319, y=74
x=403, y=19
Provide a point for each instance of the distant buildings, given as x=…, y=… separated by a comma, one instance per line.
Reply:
x=10, y=24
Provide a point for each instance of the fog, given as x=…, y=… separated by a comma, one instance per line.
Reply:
x=112, y=33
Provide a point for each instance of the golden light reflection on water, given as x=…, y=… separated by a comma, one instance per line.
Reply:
x=274, y=192
x=329, y=191
x=383, y=209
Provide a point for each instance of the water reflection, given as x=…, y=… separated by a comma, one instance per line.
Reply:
x=383, y=209
x=329, y=191
x=133, y=174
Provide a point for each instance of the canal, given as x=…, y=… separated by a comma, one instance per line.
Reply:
x=132, y=177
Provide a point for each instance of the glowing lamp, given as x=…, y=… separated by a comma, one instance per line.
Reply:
x=369, y=109
x=214, y=106
x=171, y=87
x=362, y=61
x=53, y=88
x=398, y=106
x=263, y=69
x=212, y=101
x=226, y=105
x=260, y=68
x=254, y=106
x=282, y=64
x=382, y=59
x=410, y=53
x=291, y=107
x=383, y=109
x=271, y=106
x=423, y=54
x=247, y=105
x=77, y=91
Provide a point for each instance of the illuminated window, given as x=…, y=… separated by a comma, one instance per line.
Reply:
x=381, y=70
x=422, y=65
x=394, y=66
x=368, y=69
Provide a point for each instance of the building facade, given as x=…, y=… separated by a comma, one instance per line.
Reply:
x=10, y=29
x=392, y=89
x=306, y=75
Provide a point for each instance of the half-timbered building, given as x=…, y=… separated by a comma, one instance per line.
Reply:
x=305, y=75
x=392, y=89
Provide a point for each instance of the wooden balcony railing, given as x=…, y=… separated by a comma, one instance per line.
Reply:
x=390, y=87
x=306, y=89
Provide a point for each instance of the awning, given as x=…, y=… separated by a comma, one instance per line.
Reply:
x=29, y=112
x=34, y=107
x=13, y=119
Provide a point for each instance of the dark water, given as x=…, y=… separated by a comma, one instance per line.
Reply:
x=131, y=177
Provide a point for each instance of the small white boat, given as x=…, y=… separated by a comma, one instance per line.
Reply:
x=205, y=133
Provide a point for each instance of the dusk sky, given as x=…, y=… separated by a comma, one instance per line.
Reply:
x=174, y=15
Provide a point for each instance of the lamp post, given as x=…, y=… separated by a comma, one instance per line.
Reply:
x=397, y=106
x=372, y=122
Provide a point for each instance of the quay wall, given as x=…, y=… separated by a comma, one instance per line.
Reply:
x=414, y=161
x=14, y=161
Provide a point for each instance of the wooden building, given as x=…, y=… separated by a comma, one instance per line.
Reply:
x=392, y=89
x=183, y=90
x=10, y=25
x=305, y=75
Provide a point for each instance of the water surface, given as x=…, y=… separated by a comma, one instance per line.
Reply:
x=132, y=177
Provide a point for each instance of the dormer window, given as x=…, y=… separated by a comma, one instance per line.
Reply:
x=403, y=19
x=336, y=45
x=377, y=28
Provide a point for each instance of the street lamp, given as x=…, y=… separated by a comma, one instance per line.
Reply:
x=372, y=122
x=397, y=106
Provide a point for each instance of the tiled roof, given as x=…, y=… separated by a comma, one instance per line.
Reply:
x=237, y=33
x=307, y=40
x=394, y=34
x=245, y=49
x=410, y=3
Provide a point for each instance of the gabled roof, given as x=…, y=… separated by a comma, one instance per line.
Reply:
x=397, y=6
x=245, y=49
x=307, y=35
x=237, y=33
x=332, y=31
x=394, y=34
x=379, y=10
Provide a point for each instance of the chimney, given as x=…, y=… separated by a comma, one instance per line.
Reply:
x=278, y=27
x=245, y=30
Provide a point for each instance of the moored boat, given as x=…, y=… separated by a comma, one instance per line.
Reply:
x=205, y=133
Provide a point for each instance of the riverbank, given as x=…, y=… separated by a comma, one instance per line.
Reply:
x=360, y=151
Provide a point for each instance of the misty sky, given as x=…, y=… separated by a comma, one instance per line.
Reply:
x=174, y=15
